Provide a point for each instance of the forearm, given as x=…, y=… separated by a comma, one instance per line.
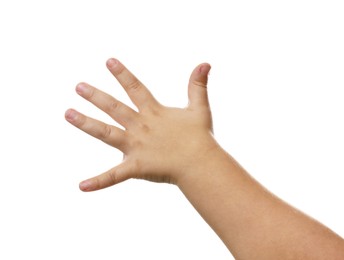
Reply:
x=253, y=223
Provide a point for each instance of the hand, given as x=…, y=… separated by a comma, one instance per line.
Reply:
x=159, y=143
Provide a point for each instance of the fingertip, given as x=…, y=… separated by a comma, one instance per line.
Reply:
x=112, y=63
x=70, y=115
x=200, y=74
x=86, y=186
x=204, y=69
x=81, y=88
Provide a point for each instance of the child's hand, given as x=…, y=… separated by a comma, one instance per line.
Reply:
x=159, y=143
x=176, y=145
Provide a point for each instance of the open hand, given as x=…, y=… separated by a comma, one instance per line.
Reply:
x=159, y=143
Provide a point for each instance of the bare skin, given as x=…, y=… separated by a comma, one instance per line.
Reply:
x=176, y=145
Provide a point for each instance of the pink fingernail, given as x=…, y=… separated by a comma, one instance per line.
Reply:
x=204, y=69
x=86, y=185
x=112, y=63
x=71, y=115
x=81, y=88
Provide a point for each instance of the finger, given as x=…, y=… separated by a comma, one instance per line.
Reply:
x=137, y=92
x=114, y=176
x=106, y=133
x=197, y=91
x=120, y=112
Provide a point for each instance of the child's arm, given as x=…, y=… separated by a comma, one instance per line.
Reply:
x=177, y=146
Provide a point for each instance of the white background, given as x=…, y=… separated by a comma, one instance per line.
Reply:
x=276, y=90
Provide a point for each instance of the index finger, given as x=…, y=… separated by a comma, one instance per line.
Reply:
x=136, y=91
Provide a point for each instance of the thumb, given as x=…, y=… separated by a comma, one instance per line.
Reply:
x=197, y=90
x=113, y=176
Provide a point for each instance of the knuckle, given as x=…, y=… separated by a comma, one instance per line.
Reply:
x=144, y=128
x=134, y=86
x=113, y=105
x=199, y=84
x=155, y=109
x=112, y=177
x=119, y=70
x=90, y=93
x=106, y=132
x=80, y=121
x=135, y=144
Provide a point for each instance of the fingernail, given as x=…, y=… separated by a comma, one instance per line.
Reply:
x=71, y=115
x=112, y=63
x=205, y=69
x=86, y=185
x=82, y=88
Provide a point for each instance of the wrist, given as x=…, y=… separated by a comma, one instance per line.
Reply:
x=206, y=166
